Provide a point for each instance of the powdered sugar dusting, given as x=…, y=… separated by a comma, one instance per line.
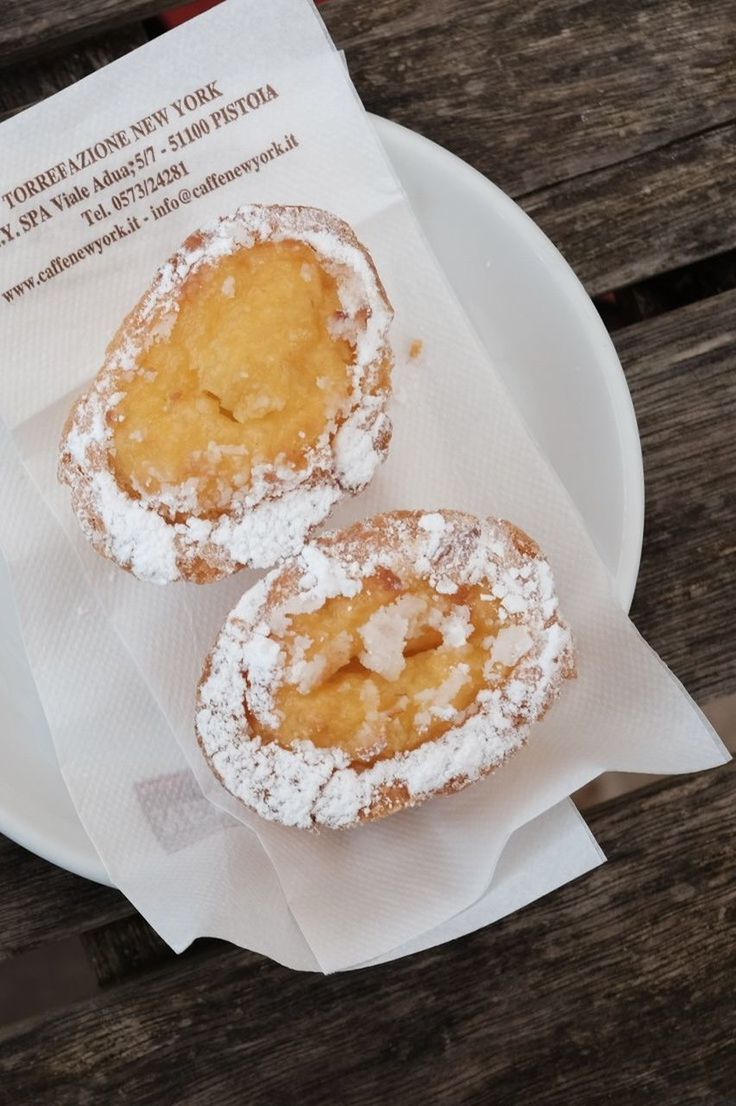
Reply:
x=455, y=627
x=306, y=786
x=438, y=700
x=385, y=634
x=510, y=644
x=272, y=515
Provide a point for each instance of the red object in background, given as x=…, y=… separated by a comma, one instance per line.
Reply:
x=187, y=11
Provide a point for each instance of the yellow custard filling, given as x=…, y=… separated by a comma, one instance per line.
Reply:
x=387, y=670
x=250, y=373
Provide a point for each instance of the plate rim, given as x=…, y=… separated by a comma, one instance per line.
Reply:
x=82, y=863
x=622, y=404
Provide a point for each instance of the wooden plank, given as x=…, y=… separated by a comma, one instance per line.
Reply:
x=124, y=948
x=44, y=979
x=614, y=123
x=40, y=902
x=680, y=368
x=618, y=988
x=543, y=91
x=23, y=84
x=708, y=158
x=30, y=28
x=646, y=215
x=530, y=93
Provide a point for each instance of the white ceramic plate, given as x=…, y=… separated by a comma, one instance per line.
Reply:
x=553, y=351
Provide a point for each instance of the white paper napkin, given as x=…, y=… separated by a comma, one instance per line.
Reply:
x=117, y=661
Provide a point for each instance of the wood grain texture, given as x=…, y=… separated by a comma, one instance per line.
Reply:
x=23, y=84
x=613, y=123
x=680, y=369
x=581, y=83
x=543, y=91
x=124, y=948
x=646, y=215
x=31, y=28
x=40, y=902
x=617, y=988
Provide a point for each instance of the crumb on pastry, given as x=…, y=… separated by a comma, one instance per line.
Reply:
x=405, y=656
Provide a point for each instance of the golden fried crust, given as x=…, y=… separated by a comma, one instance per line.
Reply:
x=151, y=535
x=302, y=784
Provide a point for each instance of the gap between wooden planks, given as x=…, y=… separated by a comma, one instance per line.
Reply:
x=616, y=988
x=613, y=123
x=608, y=201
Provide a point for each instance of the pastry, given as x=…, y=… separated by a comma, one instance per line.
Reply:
x=403, y=657
x=240, y=399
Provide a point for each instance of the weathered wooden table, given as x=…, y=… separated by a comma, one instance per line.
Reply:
x=614, y=125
